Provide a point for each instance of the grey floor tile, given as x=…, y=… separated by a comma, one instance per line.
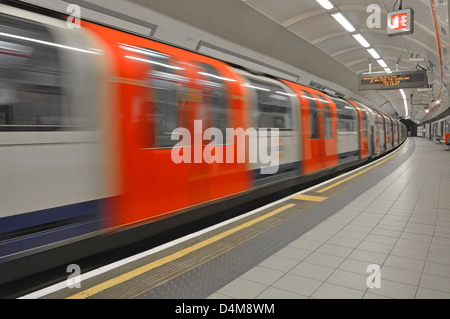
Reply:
x=242, y=289
x=276, y=293
x=437, y=269
x=397, y=228
x=357, y=228
x=352, y=234
x=356, y=266
x=412, y=244
x=348, y=279
x=334, y=250
x=368, y=256
x=294, y=253
x=375, y=247
x=316, y=236
x=369, y=295
x=344, y=241
x=263, y=275
x=438, y=257
x=279, y=263
x=330, y=291
x=410, y=252
x=423, y=220
x=425, y=293
x=395, y=290
x=297, y=284
x=312, y=271
x=386, y=232
x=305, y=244
x=327, y=230
x=381, y=239
x=405, y=276
x=435, y=282
x=419, y=229
x=442, y=234
x=417, y=237
x=440, y=240
x=324, y=260
x=404, y=263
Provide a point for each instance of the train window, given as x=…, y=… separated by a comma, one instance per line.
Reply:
x=347, y=117
x=328, y=123
x=215, y=97
x=169, y=91
x=313, y=115
x=365, y=130
x=35, y=85
x=274, y=109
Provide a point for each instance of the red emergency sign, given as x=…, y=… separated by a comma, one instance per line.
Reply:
x=399, y=21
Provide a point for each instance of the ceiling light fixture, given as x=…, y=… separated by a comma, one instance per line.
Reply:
x=361, y=40
x=343, y=22
x=374, y=53
x=382, y=63
x=405, y=102
x=326, y=4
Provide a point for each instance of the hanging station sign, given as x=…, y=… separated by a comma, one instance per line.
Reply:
x=400, y=22
x=393, y=81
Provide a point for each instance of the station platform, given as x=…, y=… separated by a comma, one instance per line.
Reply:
x=381, y=231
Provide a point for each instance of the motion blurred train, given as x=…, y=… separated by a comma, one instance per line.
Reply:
x=86, y=122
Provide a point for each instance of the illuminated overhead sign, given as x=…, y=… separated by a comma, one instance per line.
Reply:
x=393, y=81
x=400, y=22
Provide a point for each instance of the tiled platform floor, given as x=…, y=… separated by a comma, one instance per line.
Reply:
x=402, y=225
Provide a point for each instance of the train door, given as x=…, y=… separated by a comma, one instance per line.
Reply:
x=329, y=131
x=312, y=116
x=363, y=130
x=388, y=130
x=381, y=132
x=274, y=117
x=377, y=134
x=396, y=133
x=224, y=107
x=313, y=139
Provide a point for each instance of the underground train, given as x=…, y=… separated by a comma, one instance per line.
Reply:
x=438, y=130
x=88, y=127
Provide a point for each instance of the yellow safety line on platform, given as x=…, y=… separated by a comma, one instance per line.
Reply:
x=360, y=173
x=310, y=198
x=160, y=262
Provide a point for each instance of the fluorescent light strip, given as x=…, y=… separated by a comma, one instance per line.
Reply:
x=361, y=40
x=374, y=53
x=405, y=102
x=326, y=4
x=388, y=70
x=256, y=87
x=46, y=43
x=343, y=22
x=217, y=77
x=382, y=63
x=154, y=62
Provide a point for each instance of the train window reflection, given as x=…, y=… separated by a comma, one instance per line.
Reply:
x=36, y=86
x=169, y=87
x=274, y=108
x=328, y=123
x=347, y=117
x=314, y=116
x=215, y=97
